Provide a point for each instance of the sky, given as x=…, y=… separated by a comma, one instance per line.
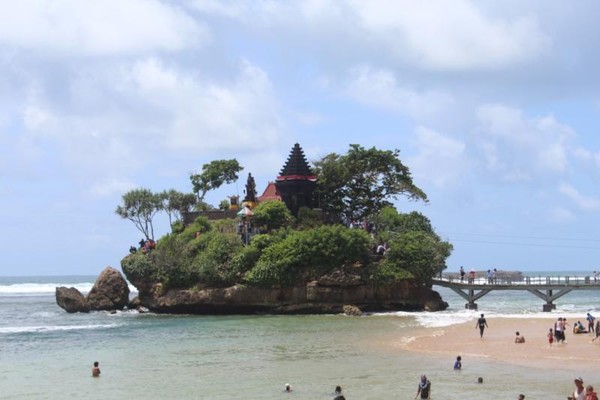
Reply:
x=494, y=106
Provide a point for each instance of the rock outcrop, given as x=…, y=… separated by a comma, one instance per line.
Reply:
x=316, y=297
x=110, y=292
x=352, y=311
x=71, y=300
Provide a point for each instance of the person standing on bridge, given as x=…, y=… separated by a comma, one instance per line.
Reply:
x=481, y=324
x=462, y=274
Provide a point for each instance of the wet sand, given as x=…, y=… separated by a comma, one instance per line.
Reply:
x=579, y=353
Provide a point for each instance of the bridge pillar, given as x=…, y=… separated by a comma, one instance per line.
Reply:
x=548, y=307
x=471, y=306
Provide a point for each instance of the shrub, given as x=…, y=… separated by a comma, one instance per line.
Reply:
x=272, y=215
x=306, y=255
x=308, y=218
x=138, y=267
x=214, y=264
x=386, y=272
x=177, y=227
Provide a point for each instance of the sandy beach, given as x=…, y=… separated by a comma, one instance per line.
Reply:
x=578, y=354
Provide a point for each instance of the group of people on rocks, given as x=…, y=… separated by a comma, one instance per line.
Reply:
x=146, y=246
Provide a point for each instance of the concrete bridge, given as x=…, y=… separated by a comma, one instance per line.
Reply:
x=547, y=288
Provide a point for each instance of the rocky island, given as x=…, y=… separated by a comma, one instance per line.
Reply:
x=278, y=253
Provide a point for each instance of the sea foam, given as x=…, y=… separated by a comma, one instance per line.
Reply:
x=41, y=329
x=44, y=289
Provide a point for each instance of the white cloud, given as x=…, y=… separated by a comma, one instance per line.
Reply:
x=379, y=88
x=113, y=122
x=439, y=160
x=436, y=34
x=107, y=27
x=586, y=203
x=206, y=116
x=519, y=148
x=451, y=35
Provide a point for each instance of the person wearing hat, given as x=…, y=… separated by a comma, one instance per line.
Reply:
x=579, y=393
x=287, y=388
x=424, y=388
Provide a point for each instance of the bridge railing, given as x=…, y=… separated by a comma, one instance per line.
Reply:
x=526, y=280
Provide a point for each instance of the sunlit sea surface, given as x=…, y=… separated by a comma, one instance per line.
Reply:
x=46, y=353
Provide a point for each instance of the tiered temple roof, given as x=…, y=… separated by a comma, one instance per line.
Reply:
x=296, y=166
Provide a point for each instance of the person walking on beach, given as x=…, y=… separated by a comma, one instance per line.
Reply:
x=564, y=325
x=95, y=370
x=597, y=330
x=481, y=324
x=424, y=388
x=558, y=330
x=579, y=393
x=458, y=363
x=590, y=319
x=550, y=337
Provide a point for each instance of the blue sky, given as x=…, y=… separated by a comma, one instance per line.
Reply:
x=494, y=106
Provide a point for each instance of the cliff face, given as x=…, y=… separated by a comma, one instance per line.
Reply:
x=327, y=295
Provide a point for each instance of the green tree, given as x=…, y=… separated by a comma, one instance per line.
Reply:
x=140, y=206
x=362, y=182
x=224, y=205
x=175, y=203
x=272, y=215
x=389, y=223
x=213, y=175
x=419, y=253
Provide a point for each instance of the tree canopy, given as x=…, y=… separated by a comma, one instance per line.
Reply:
x=140, y=206
x=213, y=175
x=175, y=203
x=359, y=184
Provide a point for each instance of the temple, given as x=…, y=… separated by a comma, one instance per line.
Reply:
x=294, y=186
x=296, y=182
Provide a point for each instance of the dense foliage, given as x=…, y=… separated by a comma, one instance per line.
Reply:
x=272, y=215
x=284, y=250
x=213, y=254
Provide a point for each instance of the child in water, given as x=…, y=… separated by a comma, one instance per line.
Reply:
x=458, y=363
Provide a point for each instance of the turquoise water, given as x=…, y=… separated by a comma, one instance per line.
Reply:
x=46, y=353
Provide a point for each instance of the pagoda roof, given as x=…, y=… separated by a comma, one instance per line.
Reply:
x=296, y=166
x=270, y=193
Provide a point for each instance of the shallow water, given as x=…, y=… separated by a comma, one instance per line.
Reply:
x=46, y=353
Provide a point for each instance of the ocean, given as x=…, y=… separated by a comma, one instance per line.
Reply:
x=46, y=353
